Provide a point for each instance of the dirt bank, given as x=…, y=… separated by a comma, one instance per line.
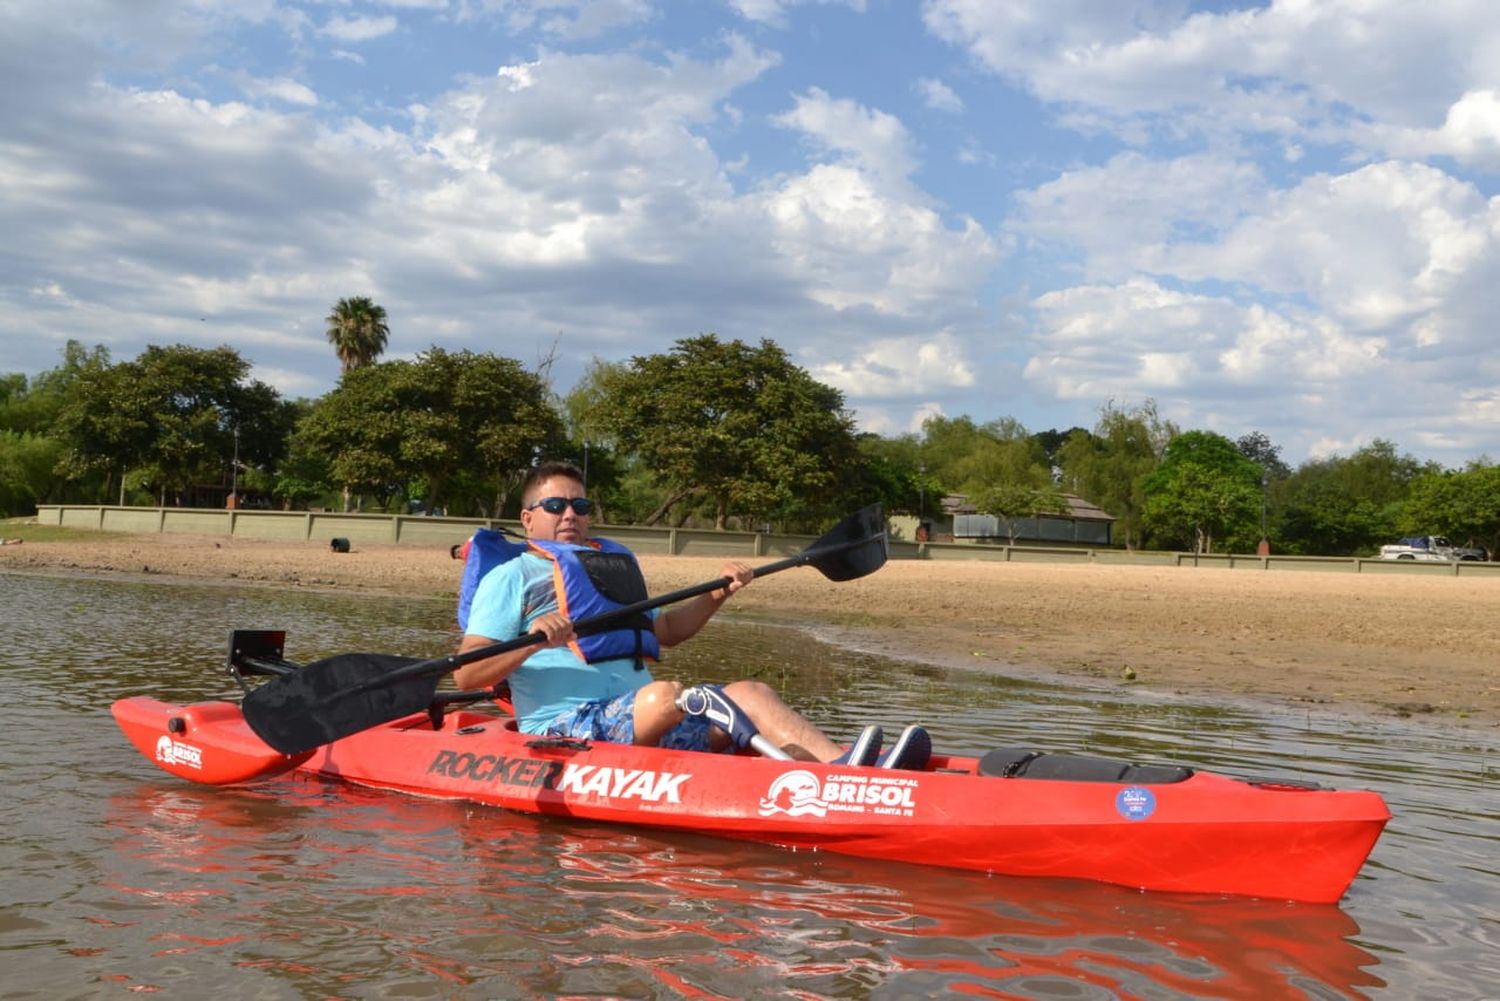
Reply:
x=1424, y=646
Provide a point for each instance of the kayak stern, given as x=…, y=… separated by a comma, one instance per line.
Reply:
x=206, y=742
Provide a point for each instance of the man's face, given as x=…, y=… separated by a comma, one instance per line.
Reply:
x=567, y=526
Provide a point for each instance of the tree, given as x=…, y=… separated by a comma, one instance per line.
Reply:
x=622, y=490
x=28, y=471
x=303, y=475
x=354, y=433
x=196, y=402
x=740, y=426
x=452, y=428
x=1052, y=440
x=1107, y=466
x=891, y=471
x=1343, y=506
x=967, y=458
x=103, y=425
x=1257, y=447
x=171, y=416
x=1461, y=504
x=587, y=407
x=34, y=406
x=32, y=469
x=358, y=332
x=1203, y=488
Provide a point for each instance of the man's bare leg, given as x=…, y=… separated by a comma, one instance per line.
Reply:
x=656, y=712
x=780, y=723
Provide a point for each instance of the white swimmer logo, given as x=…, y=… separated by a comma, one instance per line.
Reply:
x=795, y=794
x=171, y=752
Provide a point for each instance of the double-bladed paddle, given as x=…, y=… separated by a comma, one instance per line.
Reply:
x=342, y=695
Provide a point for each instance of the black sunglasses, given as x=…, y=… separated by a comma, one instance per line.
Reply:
x=557, y=505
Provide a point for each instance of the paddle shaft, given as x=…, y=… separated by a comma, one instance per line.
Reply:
x=443, y=665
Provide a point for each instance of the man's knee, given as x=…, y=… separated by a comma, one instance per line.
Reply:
x=655, y=710
x=658, y=697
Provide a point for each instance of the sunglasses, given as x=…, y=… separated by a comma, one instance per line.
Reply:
x=557, y=505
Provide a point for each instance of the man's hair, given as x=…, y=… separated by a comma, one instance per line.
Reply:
x=543, y=472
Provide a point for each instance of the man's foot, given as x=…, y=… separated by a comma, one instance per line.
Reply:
x=911, y=750
x=864, y=750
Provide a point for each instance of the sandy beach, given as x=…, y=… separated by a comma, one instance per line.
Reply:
x=1386, y=644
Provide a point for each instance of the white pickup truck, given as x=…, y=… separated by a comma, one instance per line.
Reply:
x=1430, y=547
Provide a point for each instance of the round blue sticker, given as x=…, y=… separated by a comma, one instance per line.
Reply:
x=1135, y=803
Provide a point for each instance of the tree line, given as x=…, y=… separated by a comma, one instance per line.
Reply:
x=717, y=431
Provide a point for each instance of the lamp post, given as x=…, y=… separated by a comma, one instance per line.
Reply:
x=922, y=502
x=1264, y=549
x=234, y=471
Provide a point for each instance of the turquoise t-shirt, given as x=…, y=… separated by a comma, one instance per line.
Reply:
x=508, y=600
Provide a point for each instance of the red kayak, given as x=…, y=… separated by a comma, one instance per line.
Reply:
x=1154, y=827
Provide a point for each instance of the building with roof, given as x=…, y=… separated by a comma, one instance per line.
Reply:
x=1082, y=524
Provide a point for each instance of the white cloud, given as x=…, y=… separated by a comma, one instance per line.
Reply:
x=1122, y=215
x=1267, y=346
x=358, y=29
x=938, y=96
x=585, y=19
x=1100, y=342
x=856, y=229
x=1379, y=246
x=857, y=246
x=774, y=12
x=869, y=138
x=891, y=420
x=900, y=367
x=1376, y=248
x=1318, y=70
x=281, y=89
x=569, y=194
x=1141, y=339
x=1212, y=361
x=1470, y=133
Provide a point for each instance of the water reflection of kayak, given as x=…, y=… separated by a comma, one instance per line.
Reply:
x=1147, y=827
x=679, y=908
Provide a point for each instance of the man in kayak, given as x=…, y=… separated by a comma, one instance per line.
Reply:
x=597, y=686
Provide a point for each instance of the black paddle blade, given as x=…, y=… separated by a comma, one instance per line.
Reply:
x=856, y=546
x=321, y=703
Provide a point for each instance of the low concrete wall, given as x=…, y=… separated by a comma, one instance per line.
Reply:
x=1346, y=564
x=323, y=526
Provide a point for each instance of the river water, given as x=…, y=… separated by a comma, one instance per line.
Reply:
x=120, y=879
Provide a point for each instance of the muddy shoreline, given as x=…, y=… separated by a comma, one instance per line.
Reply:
x=1400, y=645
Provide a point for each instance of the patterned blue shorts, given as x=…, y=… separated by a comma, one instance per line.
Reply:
x=613, y=721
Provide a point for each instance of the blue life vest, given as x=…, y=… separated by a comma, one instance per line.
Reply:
x=486, y=550
x=596, y=579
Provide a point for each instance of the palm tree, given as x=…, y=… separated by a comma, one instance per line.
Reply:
x=357, y=331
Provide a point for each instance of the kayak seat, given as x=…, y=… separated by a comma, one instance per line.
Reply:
x=1021, y=762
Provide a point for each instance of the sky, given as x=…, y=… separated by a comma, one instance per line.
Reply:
x=1279, y=217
